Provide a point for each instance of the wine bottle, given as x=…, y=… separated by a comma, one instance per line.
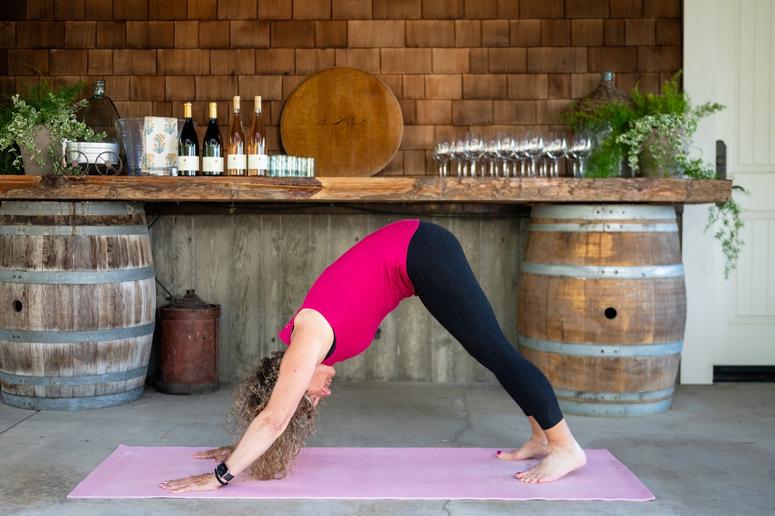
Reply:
x=212, y=146
x=188, y=145
x=236, y=161
x=258, y=160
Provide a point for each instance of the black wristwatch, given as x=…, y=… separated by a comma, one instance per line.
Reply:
x=222, y=474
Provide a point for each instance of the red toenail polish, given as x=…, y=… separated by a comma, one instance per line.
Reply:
x=498, y=452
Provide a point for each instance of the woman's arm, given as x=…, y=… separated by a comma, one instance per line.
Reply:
x=296, y=371
x=308, y=346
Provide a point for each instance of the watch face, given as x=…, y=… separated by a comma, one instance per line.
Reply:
x=223, y=471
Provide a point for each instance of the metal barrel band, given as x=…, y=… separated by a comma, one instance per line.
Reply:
x=107, y=230
x=70, y=208
x=603, y=212
x=87, y=402
x=593, y=349
x=615, y=396
x=607, y=272
x=18, y=379
x=572, y=227
x=618, y=409
x=77, y=277
x=74, y=337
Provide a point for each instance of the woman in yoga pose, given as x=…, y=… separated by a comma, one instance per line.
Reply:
x=275, y=407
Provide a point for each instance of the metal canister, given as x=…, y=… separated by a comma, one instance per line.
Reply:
x=189, y=346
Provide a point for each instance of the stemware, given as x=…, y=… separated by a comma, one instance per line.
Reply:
x=580, y=147
x=491, y=154
x=442, y=154
x=519, y=155
x=473, y=150
x=502, y=144
x=527, y=153
x=533, y=147
x=555, y=148
x=459, y=155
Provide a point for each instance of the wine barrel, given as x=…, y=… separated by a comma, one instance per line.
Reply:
x=602, y=306
x=78, y=298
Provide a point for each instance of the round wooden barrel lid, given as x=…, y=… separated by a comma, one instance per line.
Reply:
x=347, y=119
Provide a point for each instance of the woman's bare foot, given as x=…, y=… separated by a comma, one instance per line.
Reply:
x=536, y=446
x=560, y=461
x=533, y=447
x=559, y=449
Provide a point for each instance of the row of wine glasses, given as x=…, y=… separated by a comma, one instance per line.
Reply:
x=529, y=154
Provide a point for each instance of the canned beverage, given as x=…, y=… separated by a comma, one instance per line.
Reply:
x=311, y=167
x=273, y=163
x=281, y=165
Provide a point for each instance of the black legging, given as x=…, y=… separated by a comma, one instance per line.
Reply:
x=445, y=283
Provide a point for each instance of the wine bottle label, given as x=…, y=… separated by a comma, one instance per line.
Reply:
x=188, y=163
x=210, y=164
x=258, y=162
x=236, y=161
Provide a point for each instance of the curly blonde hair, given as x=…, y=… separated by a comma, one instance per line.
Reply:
x=250, y=398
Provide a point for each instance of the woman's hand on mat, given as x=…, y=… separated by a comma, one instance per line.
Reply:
x=204, y=482
x=219, y=454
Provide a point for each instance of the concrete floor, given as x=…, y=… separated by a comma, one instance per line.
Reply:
x=713, y=453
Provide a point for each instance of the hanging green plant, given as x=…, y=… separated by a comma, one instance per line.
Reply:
x=652, y=135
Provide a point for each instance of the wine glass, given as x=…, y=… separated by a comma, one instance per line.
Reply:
x=580, y=147
x=492, y=156
x=533, y=147
x=519, y=154
x=474, y=150
x=442, y=155
x=459, y=155
x=503, y=147
x=555, y=148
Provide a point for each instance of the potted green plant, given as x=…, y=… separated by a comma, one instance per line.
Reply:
x=8, y=156
x=38, y=121
x=652, y=135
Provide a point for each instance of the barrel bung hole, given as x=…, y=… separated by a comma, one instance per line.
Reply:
x=610, y=312
x=17, y=305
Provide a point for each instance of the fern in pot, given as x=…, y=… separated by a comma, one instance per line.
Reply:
x=652, y=134
x=38, y=122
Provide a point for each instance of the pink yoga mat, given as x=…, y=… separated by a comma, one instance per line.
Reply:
x=366, y=473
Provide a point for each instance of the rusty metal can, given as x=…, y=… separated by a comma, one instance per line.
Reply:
x=189, y=346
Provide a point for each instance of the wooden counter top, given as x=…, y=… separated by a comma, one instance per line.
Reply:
x=411, y=189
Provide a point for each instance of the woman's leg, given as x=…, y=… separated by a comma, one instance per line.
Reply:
x=443, y=280
x=445, y=283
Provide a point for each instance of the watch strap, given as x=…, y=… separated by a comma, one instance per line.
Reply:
x=222, y=474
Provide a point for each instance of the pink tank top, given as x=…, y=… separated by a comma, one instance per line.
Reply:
x=360, y=288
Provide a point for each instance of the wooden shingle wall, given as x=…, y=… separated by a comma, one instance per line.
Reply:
x=455, y=65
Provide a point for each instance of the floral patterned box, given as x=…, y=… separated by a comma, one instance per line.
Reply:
x=160, y=138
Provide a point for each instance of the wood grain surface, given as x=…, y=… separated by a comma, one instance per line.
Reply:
x=564, y=308
x=365, y=189
x=42, y=303
x=261, y=266
x=347, y=119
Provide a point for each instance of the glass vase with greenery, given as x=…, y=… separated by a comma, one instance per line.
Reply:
x=44, y=108
x=652, y=134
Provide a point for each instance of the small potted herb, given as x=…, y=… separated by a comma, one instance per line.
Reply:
x=652, y=133
x=36, y=124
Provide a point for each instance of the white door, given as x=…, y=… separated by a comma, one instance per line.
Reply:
x=729, y=57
